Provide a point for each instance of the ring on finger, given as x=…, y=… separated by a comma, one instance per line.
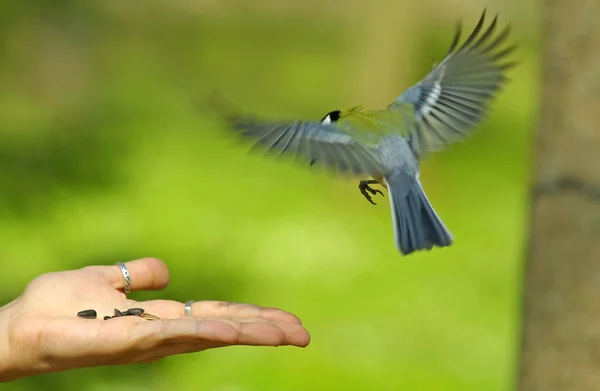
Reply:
x=126, y=276
x=188, y=308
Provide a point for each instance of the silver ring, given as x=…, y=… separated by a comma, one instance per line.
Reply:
x=188, y=308
x=127, y=277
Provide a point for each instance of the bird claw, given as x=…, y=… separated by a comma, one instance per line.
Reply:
x=364, y=188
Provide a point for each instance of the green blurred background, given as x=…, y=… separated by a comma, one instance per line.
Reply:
x=105, y=158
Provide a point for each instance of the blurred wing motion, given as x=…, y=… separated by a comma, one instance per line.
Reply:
x=455, y=95
x=308, y=140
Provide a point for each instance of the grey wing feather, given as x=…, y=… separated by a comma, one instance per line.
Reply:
x=454, y=97
x=312, y=141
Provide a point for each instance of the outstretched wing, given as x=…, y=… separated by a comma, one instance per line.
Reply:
x=454, y=97
x=310, y=141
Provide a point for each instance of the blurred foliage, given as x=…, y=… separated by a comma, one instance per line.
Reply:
x=106, y=156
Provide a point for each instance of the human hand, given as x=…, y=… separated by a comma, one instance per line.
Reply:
x=41, y=333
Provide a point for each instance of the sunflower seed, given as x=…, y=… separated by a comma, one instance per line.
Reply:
x=87, y=314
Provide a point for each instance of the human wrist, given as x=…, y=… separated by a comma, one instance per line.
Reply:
x=8, y=371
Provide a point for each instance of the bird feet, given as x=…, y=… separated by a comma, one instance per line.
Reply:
x=364, y=187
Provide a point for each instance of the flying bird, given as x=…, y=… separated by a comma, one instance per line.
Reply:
x=386, y=145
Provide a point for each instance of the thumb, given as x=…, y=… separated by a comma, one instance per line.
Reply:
x=144, y=274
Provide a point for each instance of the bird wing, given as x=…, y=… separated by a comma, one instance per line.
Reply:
x=311, y=141
x=454, y=97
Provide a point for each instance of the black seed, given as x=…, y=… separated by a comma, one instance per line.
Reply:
x=135, y=311
x=118, y=313
x=87, y=314
x=107, y=317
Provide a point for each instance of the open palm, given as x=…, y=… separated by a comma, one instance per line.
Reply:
x=45, y=335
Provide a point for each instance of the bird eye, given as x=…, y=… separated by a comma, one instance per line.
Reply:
x=331, y=117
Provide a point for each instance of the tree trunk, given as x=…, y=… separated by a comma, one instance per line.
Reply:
x=561, y=335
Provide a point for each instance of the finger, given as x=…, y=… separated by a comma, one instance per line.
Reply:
x=167, y=350
x=220, y=309
x=144, y=274
x=216, y=332
x=272, y=334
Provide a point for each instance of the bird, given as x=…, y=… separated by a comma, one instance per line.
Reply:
x=387, y=145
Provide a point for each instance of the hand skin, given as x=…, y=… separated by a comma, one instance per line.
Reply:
x=41, y=333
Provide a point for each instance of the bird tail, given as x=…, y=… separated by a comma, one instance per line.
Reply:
x=416, y=224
